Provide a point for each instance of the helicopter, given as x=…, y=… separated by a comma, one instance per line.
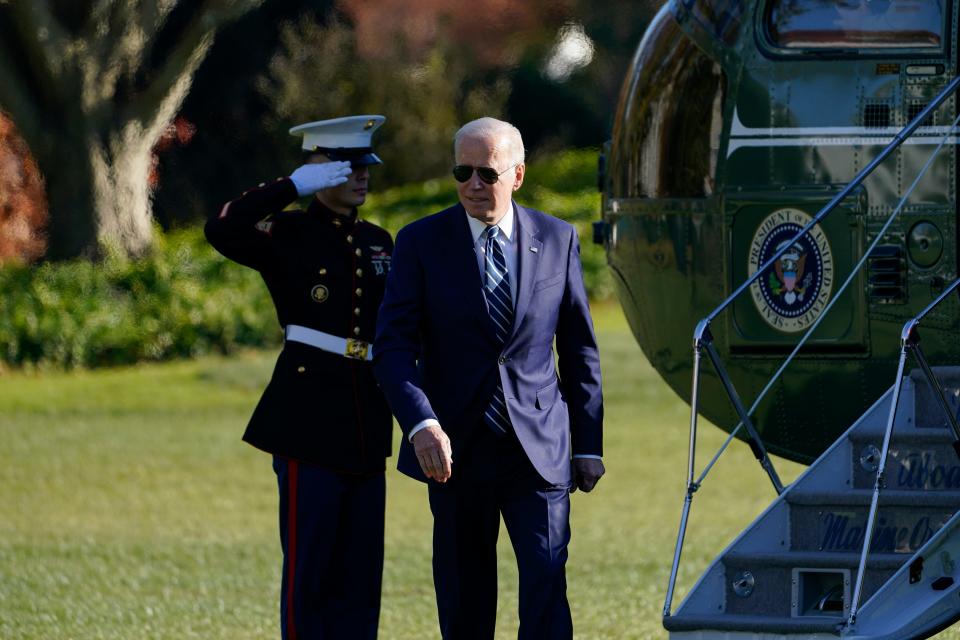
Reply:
x=737, y=122
x=780, y=194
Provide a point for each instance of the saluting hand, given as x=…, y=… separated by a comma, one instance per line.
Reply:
x=313, y=177
x=432, y=447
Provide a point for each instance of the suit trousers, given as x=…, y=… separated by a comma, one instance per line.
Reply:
x=494, y=477
x=331, y=533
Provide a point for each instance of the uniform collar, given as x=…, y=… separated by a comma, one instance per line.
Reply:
x=323, y=212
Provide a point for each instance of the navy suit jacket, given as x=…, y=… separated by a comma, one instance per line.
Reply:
x=436, y=354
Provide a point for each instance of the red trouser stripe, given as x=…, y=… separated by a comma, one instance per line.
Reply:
x=292, y=472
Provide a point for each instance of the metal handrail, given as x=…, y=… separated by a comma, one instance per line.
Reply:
x=909, y=341
x=703, y=339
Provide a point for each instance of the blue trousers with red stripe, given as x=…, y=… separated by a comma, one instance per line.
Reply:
x=331, y=533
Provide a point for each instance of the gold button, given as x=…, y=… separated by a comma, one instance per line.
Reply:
x=337, y=222
x=359, y=292
x=350, y=239
x=322, y=272
x=359, y=253
x=301, y=369
x=359, y=272
x=356, y=311
x=356, y=331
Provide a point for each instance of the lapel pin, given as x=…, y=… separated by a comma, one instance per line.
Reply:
x=534, y=249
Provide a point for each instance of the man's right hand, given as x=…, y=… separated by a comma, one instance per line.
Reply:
x=314, y=177
x=432, y=447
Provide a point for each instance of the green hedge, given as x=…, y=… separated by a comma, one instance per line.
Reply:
x=186, y=300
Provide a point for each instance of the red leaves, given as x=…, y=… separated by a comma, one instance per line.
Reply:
x=23, y=200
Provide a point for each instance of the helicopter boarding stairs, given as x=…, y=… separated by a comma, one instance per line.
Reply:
x=791, y=574
x=804, y=568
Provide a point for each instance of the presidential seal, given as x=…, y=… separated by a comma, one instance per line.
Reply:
x=796, y=288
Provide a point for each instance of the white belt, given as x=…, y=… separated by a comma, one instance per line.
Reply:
x=346, y=347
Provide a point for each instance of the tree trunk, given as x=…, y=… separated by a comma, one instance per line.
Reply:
x=101, y=197
x=121, y=191
x=91, y=98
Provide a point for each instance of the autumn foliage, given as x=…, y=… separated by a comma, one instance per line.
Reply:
x=493, y=33
x=23, y=201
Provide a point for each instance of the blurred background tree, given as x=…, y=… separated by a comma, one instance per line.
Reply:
x=91, y=87
x=554, y=68
x=101, y=93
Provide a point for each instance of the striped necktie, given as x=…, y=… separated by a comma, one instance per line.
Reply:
x=500, y=306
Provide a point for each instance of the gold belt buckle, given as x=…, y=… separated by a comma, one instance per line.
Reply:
x=357, y=349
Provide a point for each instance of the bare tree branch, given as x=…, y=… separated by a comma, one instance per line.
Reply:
x=98, y=12
x=172, y=80
x=18, y=102
x=154, y=14
x=44, y=42
x=224, y=11
x=37, y=22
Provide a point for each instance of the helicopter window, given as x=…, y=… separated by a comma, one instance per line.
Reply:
x=722, y=17
x=856, y=24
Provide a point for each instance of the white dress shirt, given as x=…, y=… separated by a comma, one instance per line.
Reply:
x=507, y=238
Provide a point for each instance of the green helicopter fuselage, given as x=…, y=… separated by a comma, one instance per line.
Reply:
x=740, y=120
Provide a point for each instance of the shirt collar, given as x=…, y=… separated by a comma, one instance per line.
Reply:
x=506, y=224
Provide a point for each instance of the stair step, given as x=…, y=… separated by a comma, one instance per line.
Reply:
x=862, y=498
x=748, y=623
x=775, y=578
x=926, y=463
x=816, y=560
x=833, y=522
x=929, y=415
x=900, y=437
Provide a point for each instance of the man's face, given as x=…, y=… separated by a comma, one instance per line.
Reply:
x=487, y=202
x=344, y=197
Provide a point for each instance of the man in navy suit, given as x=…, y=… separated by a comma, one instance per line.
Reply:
x=464, y=352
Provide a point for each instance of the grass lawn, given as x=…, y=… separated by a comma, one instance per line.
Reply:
x=129, y=508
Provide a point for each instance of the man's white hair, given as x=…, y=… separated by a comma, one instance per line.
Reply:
x=507, y=137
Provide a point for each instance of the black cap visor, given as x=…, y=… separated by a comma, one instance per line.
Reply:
x=357, y=157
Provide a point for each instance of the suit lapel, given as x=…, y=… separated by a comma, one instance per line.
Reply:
x=529, y=248
x=465, y=273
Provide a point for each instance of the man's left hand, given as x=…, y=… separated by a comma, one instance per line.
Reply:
x=587, y=472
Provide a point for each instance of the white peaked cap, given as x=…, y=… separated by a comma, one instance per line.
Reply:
x=351, y=132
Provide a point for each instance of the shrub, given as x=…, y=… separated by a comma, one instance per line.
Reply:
x=186, y=300
x=183, y=300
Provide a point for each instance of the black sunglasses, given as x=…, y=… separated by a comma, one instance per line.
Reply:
x=463, y=172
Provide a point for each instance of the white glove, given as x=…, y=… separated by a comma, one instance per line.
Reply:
x=311, y=178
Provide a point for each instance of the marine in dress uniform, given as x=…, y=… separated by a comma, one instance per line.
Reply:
x=322, y=416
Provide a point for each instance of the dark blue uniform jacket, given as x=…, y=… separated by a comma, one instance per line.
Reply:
x=326, y=272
